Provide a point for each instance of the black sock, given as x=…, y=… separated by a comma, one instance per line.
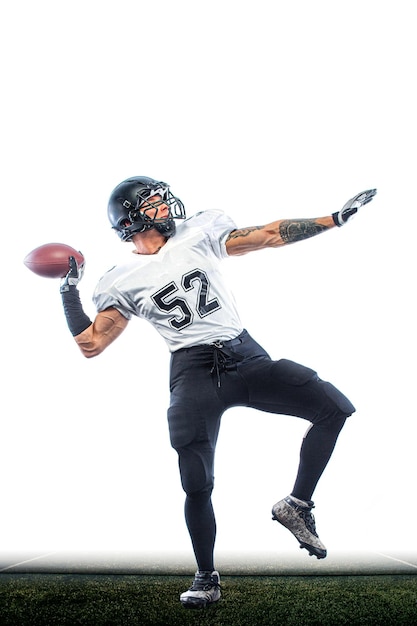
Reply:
x=316, y=450
x=201, y=524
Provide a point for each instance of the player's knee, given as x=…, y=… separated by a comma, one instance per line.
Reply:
x=201, y=496
x=196, y=470
x=196, y=489
x=341, y=405
x=331, y=424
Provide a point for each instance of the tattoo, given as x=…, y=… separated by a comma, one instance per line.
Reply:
x=297, y=230
x=243, y=232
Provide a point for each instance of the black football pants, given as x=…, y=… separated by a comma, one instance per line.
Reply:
x=205, y=381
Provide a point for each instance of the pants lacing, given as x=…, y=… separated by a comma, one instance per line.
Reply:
x=223, y=359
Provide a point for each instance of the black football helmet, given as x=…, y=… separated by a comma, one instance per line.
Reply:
x=128, y=207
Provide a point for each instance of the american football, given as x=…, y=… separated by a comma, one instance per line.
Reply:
x=51, y=260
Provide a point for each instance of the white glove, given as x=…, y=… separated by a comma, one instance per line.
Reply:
x=74, y=275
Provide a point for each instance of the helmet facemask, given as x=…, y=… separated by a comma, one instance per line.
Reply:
x=131, y=212
x=146, y=211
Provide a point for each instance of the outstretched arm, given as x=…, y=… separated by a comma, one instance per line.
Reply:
x=91, y=337
x=275, y=234
x=282, y=232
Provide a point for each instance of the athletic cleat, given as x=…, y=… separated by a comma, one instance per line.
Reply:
x=300, y=521
x=205, y=590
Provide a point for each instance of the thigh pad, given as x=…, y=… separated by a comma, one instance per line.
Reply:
x=291, y=373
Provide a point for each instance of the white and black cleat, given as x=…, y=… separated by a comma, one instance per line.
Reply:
x=204, y=591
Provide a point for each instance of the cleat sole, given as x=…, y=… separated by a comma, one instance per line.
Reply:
x=319, y=554
x=193, y=605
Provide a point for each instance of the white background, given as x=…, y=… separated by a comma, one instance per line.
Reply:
x=263, y=109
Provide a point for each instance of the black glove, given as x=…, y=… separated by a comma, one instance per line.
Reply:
x=351, y=207
x=74, y=275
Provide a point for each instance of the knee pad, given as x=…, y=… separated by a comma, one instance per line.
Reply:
x=201, y=496
x=196, y=470
x=342, y=402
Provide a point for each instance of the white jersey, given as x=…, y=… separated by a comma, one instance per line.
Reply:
x=180, y=290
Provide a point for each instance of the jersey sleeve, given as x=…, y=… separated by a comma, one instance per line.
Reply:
x=106, y=296
x=218, y=230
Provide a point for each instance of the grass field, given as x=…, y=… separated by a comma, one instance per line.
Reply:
x=124, y=600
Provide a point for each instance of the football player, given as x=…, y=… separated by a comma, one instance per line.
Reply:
x=175, y=282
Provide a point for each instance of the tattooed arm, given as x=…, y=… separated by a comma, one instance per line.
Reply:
x=280, y=233
x=276, y=234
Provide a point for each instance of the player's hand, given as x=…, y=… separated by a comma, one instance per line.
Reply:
x=351, y=207
x=74, y=275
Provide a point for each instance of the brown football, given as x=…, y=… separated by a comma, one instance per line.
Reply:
x=51, y=260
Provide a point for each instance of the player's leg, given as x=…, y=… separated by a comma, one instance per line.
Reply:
x=196, y=468
x=289, y=388
x=295, y=511
x=196, y=462
x=194, y=420
x=316, y=449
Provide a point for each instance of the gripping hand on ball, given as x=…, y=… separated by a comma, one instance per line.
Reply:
x=351, y=207
x=74, y=275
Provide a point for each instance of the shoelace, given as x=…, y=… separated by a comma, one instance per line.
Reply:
x=309, y=520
